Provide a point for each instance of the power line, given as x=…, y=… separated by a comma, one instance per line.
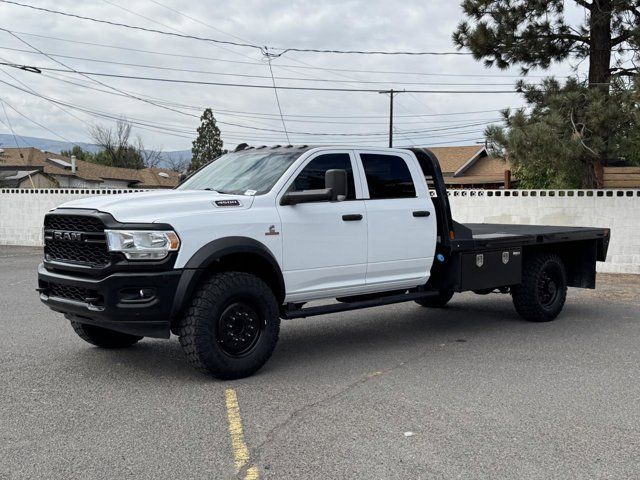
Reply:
x=362, y=137
x=262, y=49
x=275, y=91
x=168, y=26
x=28, y=87
x=199, y=21
x=244, y=85
x=13, y=133
x=302, y=66
x=88, y=77
x=96, y=113
x=243, y=75
x=290, y=117
x=299, y=62
x=437, y=130
x=133, y=27
x=456, y=123
x=58, y=104
x=33, y=121
x=242, y=114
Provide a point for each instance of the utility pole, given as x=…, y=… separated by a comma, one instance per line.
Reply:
x=391, y=93
x=391, y=118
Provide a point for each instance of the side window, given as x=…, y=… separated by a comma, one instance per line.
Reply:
x=387, y=176
x=312, y=177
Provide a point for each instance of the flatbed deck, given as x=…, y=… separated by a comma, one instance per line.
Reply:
x=487, y=235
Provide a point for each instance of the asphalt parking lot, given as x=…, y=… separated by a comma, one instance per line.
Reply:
x=482, y=393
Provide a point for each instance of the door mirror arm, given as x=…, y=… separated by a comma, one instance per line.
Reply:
x=306, y=196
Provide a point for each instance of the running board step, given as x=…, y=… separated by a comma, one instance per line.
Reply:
x=345, y=307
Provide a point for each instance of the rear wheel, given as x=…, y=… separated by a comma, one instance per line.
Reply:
x=231, y=327
x=439, y=301
x=541, y=295
x=102, y=337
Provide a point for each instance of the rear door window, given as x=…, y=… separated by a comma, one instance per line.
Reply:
x=388, y=176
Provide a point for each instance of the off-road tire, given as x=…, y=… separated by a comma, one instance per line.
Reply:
x=531, y=299
x=202, y=332
x=103, y=337
x=436, y=302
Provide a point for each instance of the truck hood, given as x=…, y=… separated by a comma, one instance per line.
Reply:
x=149, y=207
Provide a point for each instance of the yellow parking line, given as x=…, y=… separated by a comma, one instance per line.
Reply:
x=252, y=474
x=240, y=450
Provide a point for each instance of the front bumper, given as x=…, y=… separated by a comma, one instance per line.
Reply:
x=134, y=303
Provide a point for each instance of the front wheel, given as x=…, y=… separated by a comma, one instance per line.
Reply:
x=541, y=295
x=102, y=337
x=231, y=327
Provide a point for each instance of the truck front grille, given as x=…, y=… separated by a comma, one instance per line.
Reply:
x=71, y=223
x=75, y=239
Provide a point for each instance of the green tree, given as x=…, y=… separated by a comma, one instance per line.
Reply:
x=535, y=33
x=208, y=145
x=565, y=131
x=79, y=153
x=571, y=132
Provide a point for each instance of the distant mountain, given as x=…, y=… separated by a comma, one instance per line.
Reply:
x=55, y=146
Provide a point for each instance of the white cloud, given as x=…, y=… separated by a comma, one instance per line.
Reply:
x=361, y=25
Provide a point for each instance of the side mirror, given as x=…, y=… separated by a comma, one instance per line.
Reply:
x=336, y=189
x=336, y=182
x=182, y=178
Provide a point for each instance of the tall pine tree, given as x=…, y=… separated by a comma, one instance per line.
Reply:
x=534, y=34
x=208, y=145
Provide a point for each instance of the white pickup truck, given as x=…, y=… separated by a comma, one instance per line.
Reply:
x=257, y=234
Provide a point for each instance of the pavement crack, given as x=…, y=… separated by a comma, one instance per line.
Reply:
x=256, y=453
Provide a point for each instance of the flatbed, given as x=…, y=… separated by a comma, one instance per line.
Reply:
x=492, y=234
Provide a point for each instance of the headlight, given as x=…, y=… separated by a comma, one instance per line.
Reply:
x=142, y=244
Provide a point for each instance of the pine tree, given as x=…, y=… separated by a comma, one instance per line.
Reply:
x=566, y=130
x=208, y=145
x=534, y=34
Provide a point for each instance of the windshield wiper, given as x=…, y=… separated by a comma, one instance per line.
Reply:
x=221, y=192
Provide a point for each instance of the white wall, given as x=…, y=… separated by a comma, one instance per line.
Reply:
x=22, y=212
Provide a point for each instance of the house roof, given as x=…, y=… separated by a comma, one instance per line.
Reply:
x=54, y=164
x=158, y=178
x=16, y=174
x=452, y=159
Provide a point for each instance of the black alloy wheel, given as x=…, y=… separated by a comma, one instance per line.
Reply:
x=548, y=285
x=239, y=329
x=543, y=291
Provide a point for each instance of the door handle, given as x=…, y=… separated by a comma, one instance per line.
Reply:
x=352, y=217
x=421, y=213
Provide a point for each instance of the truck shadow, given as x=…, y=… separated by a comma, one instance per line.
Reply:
x=354, y=336
x=367, y=336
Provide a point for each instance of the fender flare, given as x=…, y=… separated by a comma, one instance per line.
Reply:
x=210, y=253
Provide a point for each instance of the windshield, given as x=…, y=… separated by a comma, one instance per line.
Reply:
x=244, y=173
